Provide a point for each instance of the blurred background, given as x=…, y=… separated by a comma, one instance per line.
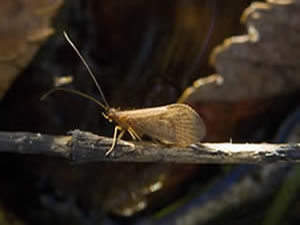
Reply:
x=150, y=53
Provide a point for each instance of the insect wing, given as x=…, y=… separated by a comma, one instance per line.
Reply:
x=176, y=124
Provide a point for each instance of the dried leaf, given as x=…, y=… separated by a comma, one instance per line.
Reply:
x=23, y=27
x=262, y=63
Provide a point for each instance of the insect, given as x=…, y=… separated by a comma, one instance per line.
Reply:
x=175, y=124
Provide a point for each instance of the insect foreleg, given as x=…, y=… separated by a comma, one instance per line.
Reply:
x=115, y=138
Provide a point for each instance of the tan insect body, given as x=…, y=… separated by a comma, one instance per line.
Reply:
x=175, y=124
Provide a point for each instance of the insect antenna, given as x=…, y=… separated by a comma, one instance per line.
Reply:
x=88, y=69
x=106, y=108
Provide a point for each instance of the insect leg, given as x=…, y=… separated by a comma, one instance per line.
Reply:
x=134, y=134
x=121, y=134
x=115, y=139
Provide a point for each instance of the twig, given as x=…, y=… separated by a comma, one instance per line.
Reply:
x=84, y=147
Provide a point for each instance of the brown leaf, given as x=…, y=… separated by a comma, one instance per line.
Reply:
x=262, y=63
x=23, y=27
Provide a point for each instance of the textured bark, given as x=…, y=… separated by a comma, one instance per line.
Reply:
x=84, y=147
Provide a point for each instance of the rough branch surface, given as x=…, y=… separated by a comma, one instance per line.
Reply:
x=84, y=147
